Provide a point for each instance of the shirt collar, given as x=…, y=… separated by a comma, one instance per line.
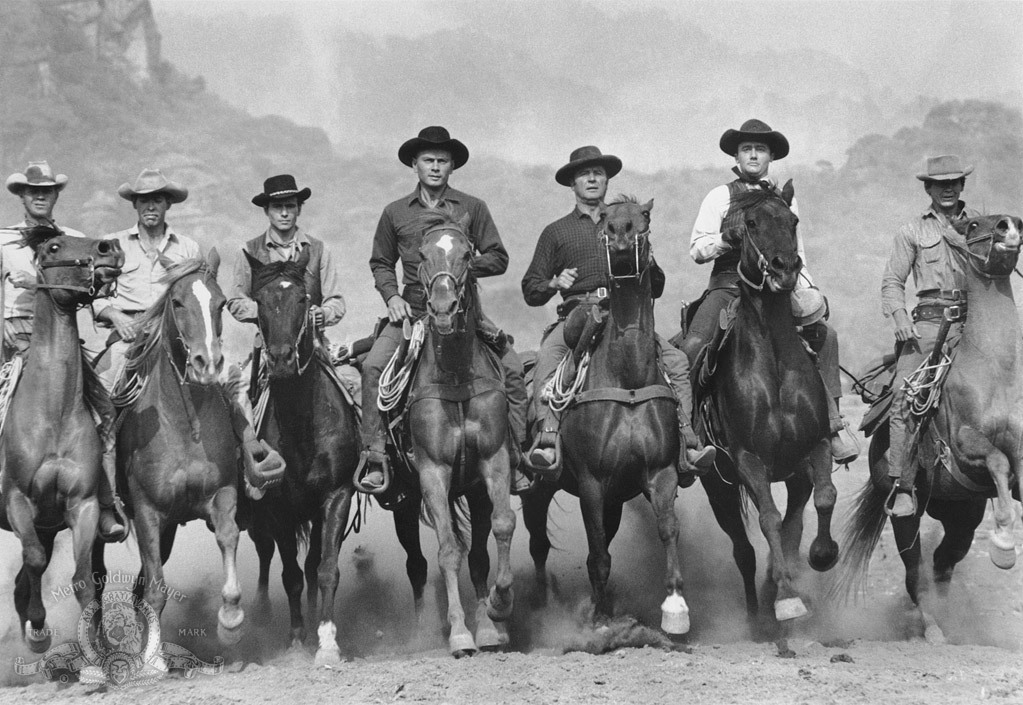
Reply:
x=450, y=194
x=582, y=215
x=168, y=234
x=931, y=213
x=273, y=240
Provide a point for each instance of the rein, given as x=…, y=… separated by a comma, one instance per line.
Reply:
x=640, y=273
x=761, y=263
x=969, y=255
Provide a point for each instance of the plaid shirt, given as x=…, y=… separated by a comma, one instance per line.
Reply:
x=567, y=242
x=919, y=247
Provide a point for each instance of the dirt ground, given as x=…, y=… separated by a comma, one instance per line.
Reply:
x=864, y=652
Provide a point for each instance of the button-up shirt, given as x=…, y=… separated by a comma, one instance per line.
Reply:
x=20, y=302
x=919, y=247
x=139, y=285
x=568, y=242
x=399, y=235
x=244, y=308
x=706, y=242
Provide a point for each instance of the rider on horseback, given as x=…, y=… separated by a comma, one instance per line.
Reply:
x=715, y=237
x=38, y=188
x=433, y=155
x=920, y=247
x=570, y=259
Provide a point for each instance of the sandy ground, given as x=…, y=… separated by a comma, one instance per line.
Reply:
x=869, y=651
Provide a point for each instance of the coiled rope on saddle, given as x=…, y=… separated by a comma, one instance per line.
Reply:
x=559, y=392
x=923, y=386
x=395, y=378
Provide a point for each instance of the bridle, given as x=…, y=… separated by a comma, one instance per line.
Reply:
x=457, y=282
x=972, y=257
x=640, y=242
x=762, y=264
x=182, y=374
x=300, y=367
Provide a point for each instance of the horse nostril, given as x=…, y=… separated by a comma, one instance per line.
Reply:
x=103, y=247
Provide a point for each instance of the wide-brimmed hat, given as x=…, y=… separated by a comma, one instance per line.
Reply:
x=35, y=174
x=755, y=131
x=808, y=306
x=152, y=181
x=278, y=187
x=583, y=157
x=947, y=167
x=434, y=137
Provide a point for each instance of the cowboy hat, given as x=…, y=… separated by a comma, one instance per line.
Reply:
x=278, y=187
x=583, y=157
x=433, y=138
x=754, y=131
x=808, y=306
x=35, y=174
x=152, y=181
x=947, y=167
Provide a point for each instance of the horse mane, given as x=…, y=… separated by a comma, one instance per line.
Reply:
x=38, y=234
x=289, y=270
x=150, y=324
x=442, y=215
x=751, y=199
x=623, y=198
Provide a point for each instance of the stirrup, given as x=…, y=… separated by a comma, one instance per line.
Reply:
x=117, y=532
x=537, y=461
x=369, y=461
x=889, y=502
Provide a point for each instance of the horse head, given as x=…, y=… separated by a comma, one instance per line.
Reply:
x=625, y=234
x=76, y=270
x=992, y=243
x=769, y=254
x=445, y=254
x=193, y=311
x=279, y=290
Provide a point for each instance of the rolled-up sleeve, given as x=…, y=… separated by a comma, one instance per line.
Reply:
x=330, y=281
x=491, y=258
x=535, y=289
x=896, y=272
x=384, y=258
x=240, y=303
x=706, y=243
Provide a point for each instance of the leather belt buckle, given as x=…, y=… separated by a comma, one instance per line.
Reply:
x=953, y=313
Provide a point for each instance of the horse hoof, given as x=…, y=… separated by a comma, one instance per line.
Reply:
x=674, y=615
x=491, y=637
x=461, y=645
x=934, y=636
x=38, y=640
x=789, y=608
x=327, y=657
x=1004, y=558
x=497, y=609
x=228, y=636
x=823, y=555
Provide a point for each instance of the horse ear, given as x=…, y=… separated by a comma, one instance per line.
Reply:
x=646, y=208
x=213, y=261
x=303, y=258
x=788, y=192
x=254, y=264
x=463, y=223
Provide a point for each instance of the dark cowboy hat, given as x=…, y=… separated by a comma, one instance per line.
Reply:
x=584, y=157
x=278, y=187
x=35, y=174
x=435, y=137
x=152, y=181
x=947, y=167
x=755, y=131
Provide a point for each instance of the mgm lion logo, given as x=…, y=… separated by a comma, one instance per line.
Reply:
x=118, y=643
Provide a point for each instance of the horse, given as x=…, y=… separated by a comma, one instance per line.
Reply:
x=768, y=411
x=620, y=433
x=177, y=450
x=314, y=426
x=978, y=420
x=458, y=442
x=49, y=478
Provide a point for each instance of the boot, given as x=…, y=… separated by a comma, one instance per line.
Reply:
x=373, y=474
x=544, y=456
x=844, y=446
x=521, y=478
x=113, y=525
x=901, y=501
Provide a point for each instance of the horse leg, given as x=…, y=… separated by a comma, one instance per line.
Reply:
x=291, y=576
x=488, y=635
x=534, y=515
x=726, y=503
x=83, y=519
x=312, y=565
x=960, y=521
x=222, y=513
x=598, y=561
x=787, y=604
x=824, y=549
x=496, y=471
x=798, y=489
x=661, y=490
x=406, y=525
x=334, y=518
x=976, y=447
x=35, y=557
x=435, y=480
x=264, y=544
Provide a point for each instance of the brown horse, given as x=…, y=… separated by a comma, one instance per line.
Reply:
x=979, y=421
x=457, y=421
x=311, y=423
x=620, y=434
x=51, y=450
x=768, y=411
x=177, y=450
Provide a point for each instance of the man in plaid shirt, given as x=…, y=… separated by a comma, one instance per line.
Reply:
x=569, y=259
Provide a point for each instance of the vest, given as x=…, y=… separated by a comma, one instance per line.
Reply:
x=729, y=261
x=258, y=249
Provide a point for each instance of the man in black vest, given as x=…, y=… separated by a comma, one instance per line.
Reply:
x=432, y=155
x=715, y=238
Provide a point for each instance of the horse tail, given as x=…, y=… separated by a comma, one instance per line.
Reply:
x=860, y=538
x=302, y=531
